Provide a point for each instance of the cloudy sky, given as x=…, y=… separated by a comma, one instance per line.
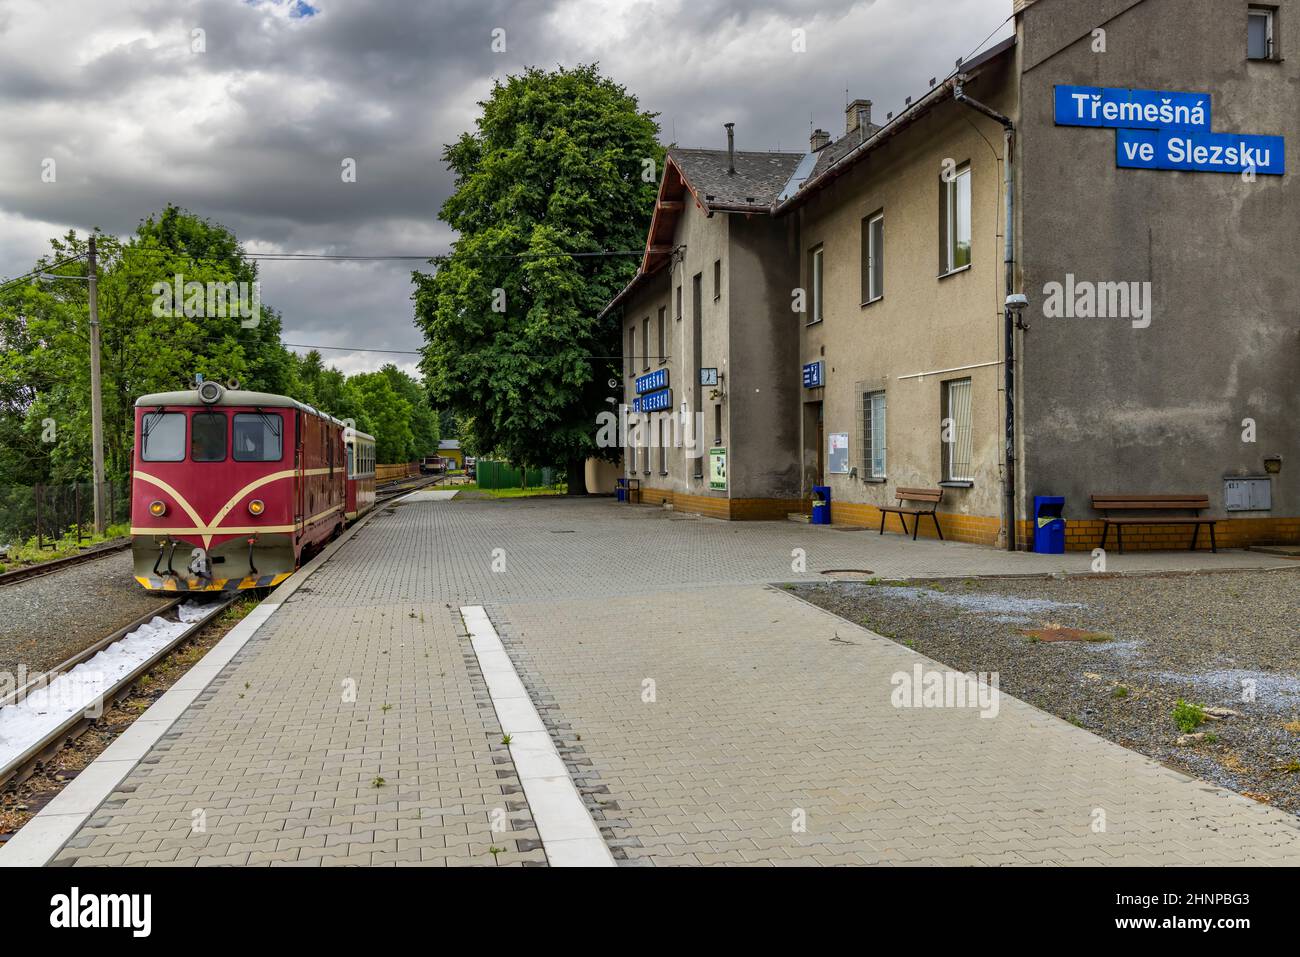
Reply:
x=251, y=129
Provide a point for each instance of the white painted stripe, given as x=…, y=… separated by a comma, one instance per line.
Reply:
x=569, y=835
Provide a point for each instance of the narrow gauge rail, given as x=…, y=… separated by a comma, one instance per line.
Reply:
x=58, y=564
x=22, y=767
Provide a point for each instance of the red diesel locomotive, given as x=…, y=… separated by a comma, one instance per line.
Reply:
x=230, y=488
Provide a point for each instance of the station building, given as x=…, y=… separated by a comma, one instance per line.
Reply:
x=840, y=317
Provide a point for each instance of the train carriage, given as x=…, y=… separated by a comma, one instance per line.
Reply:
x=230, y=488
x=361, y=472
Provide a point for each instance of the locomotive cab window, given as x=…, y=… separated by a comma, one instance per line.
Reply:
x=257, y=437
x=162, y=437
x=208, y=437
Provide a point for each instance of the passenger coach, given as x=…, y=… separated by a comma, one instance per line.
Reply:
x=230, y=488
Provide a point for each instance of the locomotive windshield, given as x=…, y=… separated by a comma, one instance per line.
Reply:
x=162, y=437
x=208, y=437
x=257, y=437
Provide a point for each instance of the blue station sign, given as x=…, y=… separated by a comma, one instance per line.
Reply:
x=1168, y=130
x=1200, y=152
x=654, y=402
x=813, y=375
x=652, y=381
x=1132, y=109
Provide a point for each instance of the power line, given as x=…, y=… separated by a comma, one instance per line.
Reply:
x=40, y=269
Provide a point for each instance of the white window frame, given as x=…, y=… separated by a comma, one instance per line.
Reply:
x=816, y=283
x=873, y=430
x=1269, y=16
x=872, y=253
x=965, y=443
x=952, y=192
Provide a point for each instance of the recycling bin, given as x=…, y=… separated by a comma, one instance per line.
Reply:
x=821, y=506
x=620, y=490
x=1049, y=524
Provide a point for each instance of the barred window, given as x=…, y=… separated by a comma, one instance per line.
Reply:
x=873, y=434
x=957, y=439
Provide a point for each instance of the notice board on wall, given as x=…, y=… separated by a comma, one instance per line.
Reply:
x=837, y=462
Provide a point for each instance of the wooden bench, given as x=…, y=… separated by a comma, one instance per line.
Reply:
x=1129, y=503
x=932, y=495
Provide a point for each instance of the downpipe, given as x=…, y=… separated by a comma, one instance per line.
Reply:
x=1008, y=313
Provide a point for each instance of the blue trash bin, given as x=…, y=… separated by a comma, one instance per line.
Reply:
x=620, y=490
x=1049, y=524
x=821, y=506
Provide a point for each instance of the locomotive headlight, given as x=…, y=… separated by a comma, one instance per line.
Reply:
x=257, y=506
x=157, y=509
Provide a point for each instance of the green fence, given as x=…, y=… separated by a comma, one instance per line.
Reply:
x=490, y=474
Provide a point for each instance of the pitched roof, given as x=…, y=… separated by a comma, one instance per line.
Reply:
x=834, y=152
x=757, y=182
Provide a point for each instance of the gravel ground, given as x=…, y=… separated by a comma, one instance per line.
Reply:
x=1205, y=639
x=48, y=619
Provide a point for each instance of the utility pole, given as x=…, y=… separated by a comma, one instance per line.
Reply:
x=96, y=402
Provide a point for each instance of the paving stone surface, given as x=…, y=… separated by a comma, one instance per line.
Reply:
x=767, y=713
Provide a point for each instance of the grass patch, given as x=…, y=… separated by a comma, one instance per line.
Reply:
x=26, y=553
x=1188, y=716
x=561, y=489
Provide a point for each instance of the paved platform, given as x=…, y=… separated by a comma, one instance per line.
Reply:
x=356, y=726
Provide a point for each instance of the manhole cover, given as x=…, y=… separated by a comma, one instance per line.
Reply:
x=849, y=574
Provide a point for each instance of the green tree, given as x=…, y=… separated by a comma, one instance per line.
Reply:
x=147, y=344
x=425, y=428
x=553, y=170
x=388, y=416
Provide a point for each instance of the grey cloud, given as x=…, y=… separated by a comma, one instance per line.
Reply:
x=252, y=132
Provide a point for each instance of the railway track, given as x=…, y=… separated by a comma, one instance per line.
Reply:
x=23, y=765
x=58, y=564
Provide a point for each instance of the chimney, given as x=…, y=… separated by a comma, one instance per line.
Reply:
x=857, y=115
x=731, y=148
x=818, y=139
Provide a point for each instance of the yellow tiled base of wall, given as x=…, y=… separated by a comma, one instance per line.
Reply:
x=734, y=509
x=977, y=529
x=1081, y=535
x=1085, y=535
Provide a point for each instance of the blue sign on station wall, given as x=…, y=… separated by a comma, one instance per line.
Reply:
x=812, y=375
x=654, y=402
x=1132, y=109
x=1200, y=152
x=652, y=381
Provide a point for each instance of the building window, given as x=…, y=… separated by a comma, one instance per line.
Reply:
x=631, y=351
x=873, y=434
x=663, y=449
x=954, y=221
x=1260, y=23
x=717, y=423
x=697, y=293
x=873, y=257
x=663, y=335
x=645, y=344
x=679, y=301
x=717, y=279
x=815, y=259
x=956, y=431
x=631, y=459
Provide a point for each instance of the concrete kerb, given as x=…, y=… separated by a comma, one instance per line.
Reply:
x=41, y=838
